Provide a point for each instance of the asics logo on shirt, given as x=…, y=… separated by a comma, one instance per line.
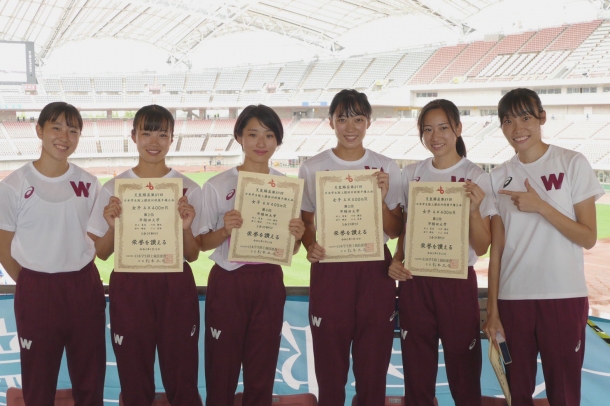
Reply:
x=193, y=330
x=508, y=180
x=81, y=189
x=29, y=192
x=403, y=334
x=230, y=194
x=118, y=339
x=553, y=181
x=215, y=333
x=472, y=344
x=25, y=344
x=316, y=321
x=577, y=347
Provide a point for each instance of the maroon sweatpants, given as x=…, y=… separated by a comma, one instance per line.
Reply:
x=57, y=311
x=556, y=329
x=159, y=311
x=350, y=305
x=432, y=308
x=244, y=313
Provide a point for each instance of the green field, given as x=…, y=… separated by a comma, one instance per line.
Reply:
x=298, y=273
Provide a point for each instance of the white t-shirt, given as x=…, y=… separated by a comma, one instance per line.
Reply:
x=219, y=198
x=49, y=217
x=538, y=262
x=328, y=161
x=98, y=225
x=424, y=171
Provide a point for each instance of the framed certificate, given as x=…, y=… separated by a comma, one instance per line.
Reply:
x=349, y=216
x=436, y=240
x=148, y=235
x=267, y=203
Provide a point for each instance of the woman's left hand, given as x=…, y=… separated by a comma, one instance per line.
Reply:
x=297, y=228
x=476, y=195
x=186, y=211
x=383, y=181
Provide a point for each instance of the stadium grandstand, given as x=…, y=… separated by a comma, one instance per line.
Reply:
x=206, y=60
x=568, y=64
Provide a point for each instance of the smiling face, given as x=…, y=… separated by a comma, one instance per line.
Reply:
x=440, y=135
x=258, y=142
x=523, y=131
x=349, y=130
x=152, y=145
x=59, y=139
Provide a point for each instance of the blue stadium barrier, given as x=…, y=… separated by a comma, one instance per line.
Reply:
x=295, y=365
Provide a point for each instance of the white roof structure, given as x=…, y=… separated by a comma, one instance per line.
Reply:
x=180, y=27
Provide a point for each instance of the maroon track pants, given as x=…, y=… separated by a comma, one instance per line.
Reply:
x=159, y=311
x=351, y=305
x=432, y=308
x=556, y=329
x=244, y=313
x=57, y=311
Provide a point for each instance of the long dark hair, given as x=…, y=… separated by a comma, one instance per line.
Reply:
x=453, y=115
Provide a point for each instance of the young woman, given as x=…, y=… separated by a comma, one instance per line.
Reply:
x=352, y=303
x=59, y=298
x=244, y=306
x=150, y=311
x=431, y=308
x=538, y=299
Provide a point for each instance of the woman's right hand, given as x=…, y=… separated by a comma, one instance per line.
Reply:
x=315, y=252
x=398, y=272
x=112, y=211
x=232, y=219
x=492, y=325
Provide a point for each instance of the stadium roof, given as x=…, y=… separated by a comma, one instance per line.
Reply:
x=180, y=27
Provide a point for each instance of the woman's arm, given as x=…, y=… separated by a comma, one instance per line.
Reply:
x=315, y=251
x=392, y=219
x=397, y=271
x=6, y=259
x=493, y=323
x=213, y=239
x=582, y=232
x=479, y=234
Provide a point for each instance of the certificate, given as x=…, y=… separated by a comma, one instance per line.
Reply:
x=349, y=216
x=436, y=241
x=498, y=367
x=267, y=203
x=148, y=234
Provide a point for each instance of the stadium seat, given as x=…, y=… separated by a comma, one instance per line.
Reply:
x=160, y=400
x=63, y=397
x=391, y=401
x=305, y=399
x=490, y=401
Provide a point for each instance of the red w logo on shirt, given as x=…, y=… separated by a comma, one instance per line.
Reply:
x=553, y=181
x=455, y=179
x=81, y=189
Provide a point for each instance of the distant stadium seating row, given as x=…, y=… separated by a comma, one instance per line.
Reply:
x=569, y=51
x=397, y=138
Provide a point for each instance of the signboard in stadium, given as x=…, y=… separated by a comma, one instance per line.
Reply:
x=18, y=63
